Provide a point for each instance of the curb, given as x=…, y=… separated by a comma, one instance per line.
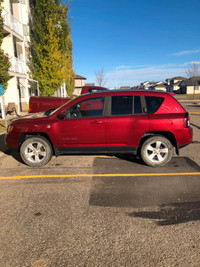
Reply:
x=1, y=154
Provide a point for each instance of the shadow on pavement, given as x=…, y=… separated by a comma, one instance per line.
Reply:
x=171, y=214
x=140, y=190
x=195, y=125
x=3, y=147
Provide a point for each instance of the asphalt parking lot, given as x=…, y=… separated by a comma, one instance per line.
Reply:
x=102, y=211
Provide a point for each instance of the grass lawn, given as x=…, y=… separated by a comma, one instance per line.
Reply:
x=188, y=96
x=2, y=126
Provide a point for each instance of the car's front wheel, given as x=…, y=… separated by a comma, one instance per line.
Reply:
x=36, y=151
x=156, y=151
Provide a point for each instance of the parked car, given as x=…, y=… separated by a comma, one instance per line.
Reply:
x=145, y=123
x=47, y=103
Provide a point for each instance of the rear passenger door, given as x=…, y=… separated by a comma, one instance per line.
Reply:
x=126, y=123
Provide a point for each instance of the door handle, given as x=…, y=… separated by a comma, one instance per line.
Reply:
x=96, y=122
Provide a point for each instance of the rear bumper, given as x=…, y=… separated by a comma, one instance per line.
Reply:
x=185, y=137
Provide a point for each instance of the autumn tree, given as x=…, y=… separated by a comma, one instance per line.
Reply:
x=66, y=47
x=4, y=61
x=51, y=46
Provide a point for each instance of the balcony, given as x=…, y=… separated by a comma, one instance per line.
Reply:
x=17, y=68
x=12, y=25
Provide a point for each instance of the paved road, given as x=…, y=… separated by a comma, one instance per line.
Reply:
x=141, y=216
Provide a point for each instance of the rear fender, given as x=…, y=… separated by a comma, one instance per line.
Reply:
x=167, y=135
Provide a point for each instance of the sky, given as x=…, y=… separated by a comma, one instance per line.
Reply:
x=134, y=40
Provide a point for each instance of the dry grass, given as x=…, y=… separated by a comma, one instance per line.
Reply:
x=189, y=96
x=2, y=126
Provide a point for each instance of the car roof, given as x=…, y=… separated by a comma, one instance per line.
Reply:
x=131, y=92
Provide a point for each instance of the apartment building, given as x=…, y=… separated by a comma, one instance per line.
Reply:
x=16, y=46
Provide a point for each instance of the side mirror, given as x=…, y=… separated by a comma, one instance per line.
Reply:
x=62, y=115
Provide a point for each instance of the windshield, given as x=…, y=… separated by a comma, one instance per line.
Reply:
x=54, y=111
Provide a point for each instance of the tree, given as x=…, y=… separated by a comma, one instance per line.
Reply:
x=4, y=60
x=66, y=46
x=193, y=72
x=51, y=46
x=100, y=77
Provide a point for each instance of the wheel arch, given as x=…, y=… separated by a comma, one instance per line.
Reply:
x=165, y=134
x=25, y=136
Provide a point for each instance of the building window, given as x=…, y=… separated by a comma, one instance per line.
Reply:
x=25, y=30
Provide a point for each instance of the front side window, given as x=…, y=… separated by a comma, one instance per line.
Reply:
x=153, y=103
x=122, y=105
x=92, y=107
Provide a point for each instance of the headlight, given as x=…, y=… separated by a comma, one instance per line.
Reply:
x=9, y=128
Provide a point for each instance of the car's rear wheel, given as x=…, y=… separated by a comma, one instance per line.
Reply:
x=156, y=151
x=36, y=151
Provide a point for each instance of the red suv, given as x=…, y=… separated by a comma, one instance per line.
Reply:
x=145, y=123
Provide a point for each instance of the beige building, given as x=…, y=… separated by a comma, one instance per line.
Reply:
x=160, y=86
x=16, y=42
x=79, y=83
x=16, y=46
x=190, y=86
x=173, y=84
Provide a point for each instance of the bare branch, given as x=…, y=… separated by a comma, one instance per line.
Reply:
x=100, y=77
x=193, y=70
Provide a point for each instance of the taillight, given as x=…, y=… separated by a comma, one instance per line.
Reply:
x=187, y=120
x=30, y=109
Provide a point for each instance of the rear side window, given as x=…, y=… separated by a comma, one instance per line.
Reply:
x=153, y=103
x=122, y=105
x=137, y=105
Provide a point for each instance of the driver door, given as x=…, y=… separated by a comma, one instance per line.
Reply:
x=83, y=128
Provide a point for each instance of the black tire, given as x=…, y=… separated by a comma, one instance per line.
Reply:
x=156, y=151
x=36, y=151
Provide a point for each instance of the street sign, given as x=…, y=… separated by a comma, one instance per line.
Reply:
x=1, y=90
x=2, y=104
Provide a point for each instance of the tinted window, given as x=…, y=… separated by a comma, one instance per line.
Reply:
x=92, y=107
x=122, y=105
x=153, y=103
x=137, y=105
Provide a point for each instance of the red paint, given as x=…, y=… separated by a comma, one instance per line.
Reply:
x=105, y=130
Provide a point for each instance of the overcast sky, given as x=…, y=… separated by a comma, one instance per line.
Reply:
x=134, y=40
